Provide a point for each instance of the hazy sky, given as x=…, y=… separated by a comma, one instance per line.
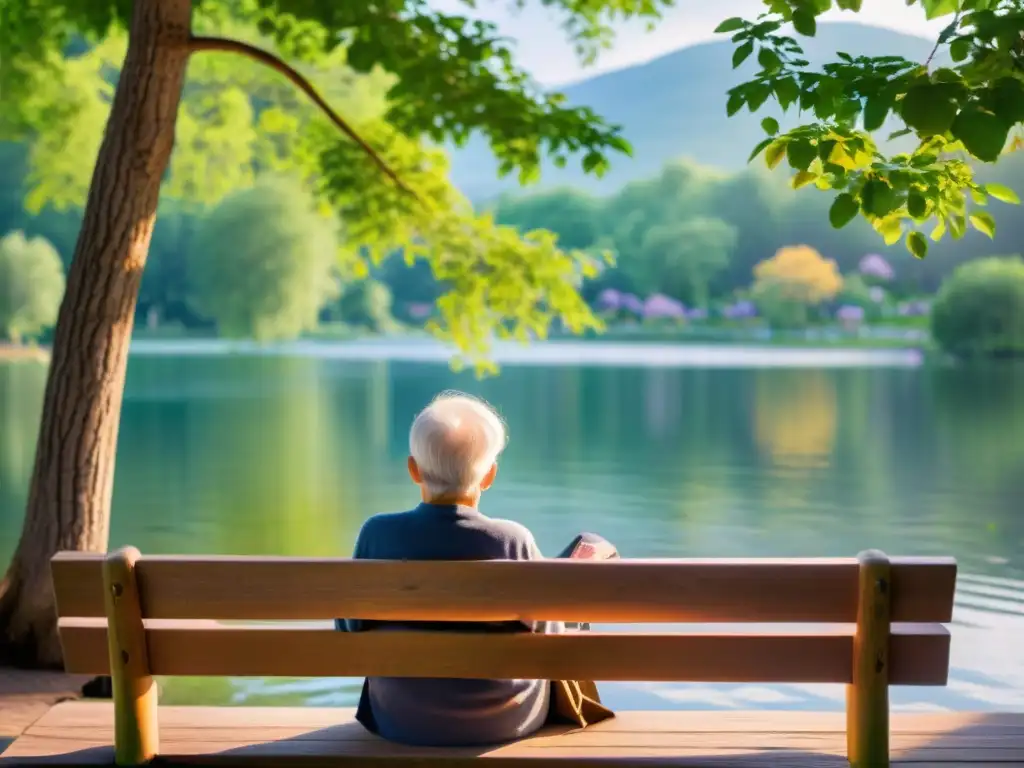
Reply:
x=543, y=49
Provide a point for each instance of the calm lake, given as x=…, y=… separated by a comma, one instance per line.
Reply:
x=669, y=455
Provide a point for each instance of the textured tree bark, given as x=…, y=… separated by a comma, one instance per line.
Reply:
x=72, y=480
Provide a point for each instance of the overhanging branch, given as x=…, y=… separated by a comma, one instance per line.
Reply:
x=197, y=44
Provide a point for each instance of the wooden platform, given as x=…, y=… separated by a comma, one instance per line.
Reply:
x=26, y=695
x=82, y=732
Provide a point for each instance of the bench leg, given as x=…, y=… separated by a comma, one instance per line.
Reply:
x=867, y=698
x=136, y=739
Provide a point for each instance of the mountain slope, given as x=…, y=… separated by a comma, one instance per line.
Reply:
x=674, y=106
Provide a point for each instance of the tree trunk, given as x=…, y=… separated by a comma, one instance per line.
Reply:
x=72, y=480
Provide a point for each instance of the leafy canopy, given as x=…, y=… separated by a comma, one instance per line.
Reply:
x=443, y=76
x=963, y=105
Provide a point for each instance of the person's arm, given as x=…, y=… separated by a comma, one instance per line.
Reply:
x=362, y=552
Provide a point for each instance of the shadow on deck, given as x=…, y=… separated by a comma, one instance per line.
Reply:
x=79, y=733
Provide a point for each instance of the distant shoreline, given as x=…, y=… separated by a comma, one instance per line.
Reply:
x=558, y=353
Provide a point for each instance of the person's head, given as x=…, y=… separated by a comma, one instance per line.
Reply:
x=454, y=445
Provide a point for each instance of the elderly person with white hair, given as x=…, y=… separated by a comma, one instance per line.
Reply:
x=454, y=446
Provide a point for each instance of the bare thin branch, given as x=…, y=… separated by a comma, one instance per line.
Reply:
x=197, y=44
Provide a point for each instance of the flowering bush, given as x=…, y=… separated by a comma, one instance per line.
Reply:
x=661, y=307
x=877, y=267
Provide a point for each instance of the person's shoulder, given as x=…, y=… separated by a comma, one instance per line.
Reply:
x=513, y=531
x=386, y=520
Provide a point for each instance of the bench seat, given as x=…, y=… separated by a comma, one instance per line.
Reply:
x=76, y=733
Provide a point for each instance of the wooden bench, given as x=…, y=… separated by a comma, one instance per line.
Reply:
x=875, y=621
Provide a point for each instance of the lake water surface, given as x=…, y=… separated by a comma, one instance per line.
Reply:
x=668, y=453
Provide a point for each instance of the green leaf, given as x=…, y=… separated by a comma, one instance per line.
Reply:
x=939, y=231
x=917, y=245
x=760, y=146
x=803, y=178
x=800, y=153
x=890, y=228
x=843, y=210
x=928, y=109
x=935, y=8
x=1004, y=194
x=735, y=102
x=877, y=198
x=1007, y=99
x=960, y=49
x=804, y=23
x=983, y=222
x=917, y=206
x=786, y=91
x=957, y=226
x=742, y=53
x=769, y=60
x=774, y=153
x=982, y=133
x=770, y=126
x=730, y=25
x=876, y=110
x=757, y=94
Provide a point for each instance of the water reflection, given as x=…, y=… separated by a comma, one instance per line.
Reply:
x=288, y=454
x=795, y=417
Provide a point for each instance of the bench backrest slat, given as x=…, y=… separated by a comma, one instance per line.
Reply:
x=627, y=591
x=919, y=654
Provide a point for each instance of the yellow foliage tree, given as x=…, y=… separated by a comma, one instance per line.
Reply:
x=798, y=273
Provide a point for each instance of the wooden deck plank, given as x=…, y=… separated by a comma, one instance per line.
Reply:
x=80, y=732
x=98, y=714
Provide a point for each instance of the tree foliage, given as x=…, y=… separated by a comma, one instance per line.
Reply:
x=793, y=281
x=406, y=76
x=367, y=303
x=961, y=106
x=31, y=286
x=264, y=262
x=980, y=310
x=681, y=258
x=801, y=273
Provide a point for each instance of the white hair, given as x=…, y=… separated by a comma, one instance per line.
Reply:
x=455, y=440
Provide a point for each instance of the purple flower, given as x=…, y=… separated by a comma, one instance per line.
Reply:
x=420, y=311
x=659, y=306
x=874, y=265
x=849, y=313
x=740, y=310
x=609, y=300
x=631, y=303
x=697, y=313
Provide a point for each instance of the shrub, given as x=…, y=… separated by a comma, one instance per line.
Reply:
x=31, y=286
x=979, y=311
